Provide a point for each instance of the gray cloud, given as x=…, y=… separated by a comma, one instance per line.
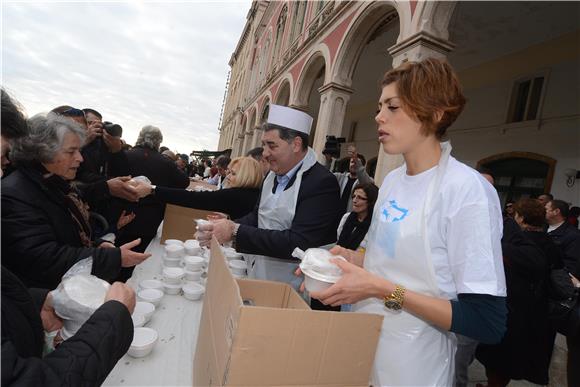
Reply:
x=138, y=63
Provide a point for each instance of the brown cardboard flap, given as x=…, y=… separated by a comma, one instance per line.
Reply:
x=270, y=294
x=178, y=222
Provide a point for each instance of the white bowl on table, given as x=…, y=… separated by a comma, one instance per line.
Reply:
x=144, y=339
x=172, y=262
x=173, y=275
x=193, y=291
x=151, y=284
x=145, y=309
x=194, y=263
x=173, y=242
x=172, y=289
x=138, y=320
x=193, y=275
x=174, y=251
x=238, y=267
x=153, y=296
x=192, y=247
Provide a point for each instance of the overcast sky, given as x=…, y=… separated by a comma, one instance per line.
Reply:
x=138, y=62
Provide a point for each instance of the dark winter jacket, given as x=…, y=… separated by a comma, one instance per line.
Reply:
x=83, y=360
x=40, y=241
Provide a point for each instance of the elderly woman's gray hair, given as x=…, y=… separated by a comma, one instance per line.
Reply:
x=45, y=138
x=150, y=137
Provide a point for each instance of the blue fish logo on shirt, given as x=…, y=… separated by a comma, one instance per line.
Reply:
x=394, y=213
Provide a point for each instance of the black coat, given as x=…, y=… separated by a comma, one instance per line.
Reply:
x=83, y=360
x=40, y=241
x=526, y=349
x=567, y=237
x=236, y=202
x=314, y=224
x=149, y=211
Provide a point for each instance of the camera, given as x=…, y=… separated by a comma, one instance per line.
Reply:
x=332, y=146
x=113, y=129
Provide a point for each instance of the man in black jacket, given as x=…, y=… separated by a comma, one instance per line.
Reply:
x=145, y=160
x=563, y=234
x=299, y=204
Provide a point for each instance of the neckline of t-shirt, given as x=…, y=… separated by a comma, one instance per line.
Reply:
x=420, y=176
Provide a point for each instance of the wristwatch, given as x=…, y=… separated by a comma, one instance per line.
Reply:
x=234, y=234
x=395, y=300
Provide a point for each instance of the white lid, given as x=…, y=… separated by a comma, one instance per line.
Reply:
x=290, y=118
x=150, y=294
x=316, y=264
x=193, y=287
x=173, y=272
x=173, y=242
x=193, y=259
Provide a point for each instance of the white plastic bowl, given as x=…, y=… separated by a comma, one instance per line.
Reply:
x=193, y=291
x=173, y=242
x=151, y=284
x=315, y=283
x=193, y=263
x=145, y=309
x=172, y=288
x=192, y=247
x=172, y=262
x=138, y=320
x=173, y=275
x=144, y=339
x=153, y=296
x=238, y=266
x=193, y=275
x=174, y=251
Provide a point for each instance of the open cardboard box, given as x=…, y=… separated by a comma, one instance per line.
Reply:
x=262, y=333
x=178, y=222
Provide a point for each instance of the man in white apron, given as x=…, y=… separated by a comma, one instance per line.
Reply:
x=299, y=202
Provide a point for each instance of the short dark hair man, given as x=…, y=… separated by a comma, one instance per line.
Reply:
x=545, y=198
x=299, y=202
x=564, y=234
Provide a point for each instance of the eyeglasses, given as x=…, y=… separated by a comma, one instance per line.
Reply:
x=359, y=197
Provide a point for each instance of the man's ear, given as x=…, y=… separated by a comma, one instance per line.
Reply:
x=297, y=144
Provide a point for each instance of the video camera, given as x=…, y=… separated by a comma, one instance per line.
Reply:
x=332, y=146
x=113, y=129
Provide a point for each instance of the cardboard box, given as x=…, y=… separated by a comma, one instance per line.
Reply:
x=279, y=340
x=178, y=222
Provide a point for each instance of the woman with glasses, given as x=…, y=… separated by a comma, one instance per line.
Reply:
x=354, y=225
x=433, y=263
x=243, y=181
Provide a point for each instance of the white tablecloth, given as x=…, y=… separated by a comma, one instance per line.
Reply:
x=176, y=319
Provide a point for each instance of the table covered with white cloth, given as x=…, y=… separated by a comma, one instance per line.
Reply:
x=176, y=320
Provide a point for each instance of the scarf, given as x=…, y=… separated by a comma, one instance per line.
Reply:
x=353, y=231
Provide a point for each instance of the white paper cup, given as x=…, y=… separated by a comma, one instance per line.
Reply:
x=144, y=340
x=314, y=283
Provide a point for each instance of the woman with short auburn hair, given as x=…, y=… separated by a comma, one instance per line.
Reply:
x=243, y=182
x=433, y=263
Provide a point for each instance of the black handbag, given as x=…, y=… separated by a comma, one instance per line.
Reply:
x=563, y=303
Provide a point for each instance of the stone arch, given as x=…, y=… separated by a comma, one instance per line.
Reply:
x=369, y=19
x=264, y=110
x=318, y=60
x=432, y=17
x=284, y=93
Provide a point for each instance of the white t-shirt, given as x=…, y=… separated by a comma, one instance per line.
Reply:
x=465, y=227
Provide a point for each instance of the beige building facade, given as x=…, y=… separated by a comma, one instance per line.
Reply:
x=519, y=63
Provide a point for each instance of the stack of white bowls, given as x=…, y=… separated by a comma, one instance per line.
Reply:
x=174, y=253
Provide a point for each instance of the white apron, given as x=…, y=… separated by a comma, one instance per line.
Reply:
x=410, y=350
x=276, y=212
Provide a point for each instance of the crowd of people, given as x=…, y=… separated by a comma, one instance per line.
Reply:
x=431, y=251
